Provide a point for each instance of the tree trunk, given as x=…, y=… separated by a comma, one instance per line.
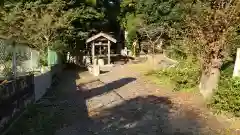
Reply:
x=209, y=82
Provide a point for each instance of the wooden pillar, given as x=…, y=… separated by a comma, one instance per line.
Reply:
x=93, y=52
x=109, y=59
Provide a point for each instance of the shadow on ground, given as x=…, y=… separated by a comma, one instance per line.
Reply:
x=89, y=93
x=67, y=113
x=150, y=115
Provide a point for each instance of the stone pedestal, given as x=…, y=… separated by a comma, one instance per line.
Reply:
x=90, y=69
x=86, y=61
x=101, y=62
x=130, y=54
x=96, y=70
x=142, y=54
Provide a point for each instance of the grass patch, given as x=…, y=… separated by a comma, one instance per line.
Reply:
x=158, y=79
x=183, y=77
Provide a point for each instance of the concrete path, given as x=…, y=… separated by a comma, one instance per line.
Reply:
x=120, y=102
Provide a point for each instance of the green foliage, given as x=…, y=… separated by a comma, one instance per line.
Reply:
x=58, y=46
x=7, y=71
x=161, y=11
x=43, y=23
x=43, y=59
x=92, y=2
x=158, y=19
x=6, y=57
x=214, y=25
x=132, y=23
x=184, y=48
x=204, y=30
x=227, y=97
x=129, y=21
x=184, y=76
x=35, y=22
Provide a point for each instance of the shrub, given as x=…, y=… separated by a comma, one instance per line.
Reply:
x=227, y=97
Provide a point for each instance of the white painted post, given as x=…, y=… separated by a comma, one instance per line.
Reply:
x=236, y=71
x=109, y=59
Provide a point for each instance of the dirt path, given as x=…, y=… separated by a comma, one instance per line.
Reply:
x=120, y=102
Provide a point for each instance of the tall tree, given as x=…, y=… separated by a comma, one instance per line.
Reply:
x=213, y=25
x=43, y=23
x=206, y=30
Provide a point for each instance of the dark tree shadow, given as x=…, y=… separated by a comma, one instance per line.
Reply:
x=103, y=72
x=150, y=115
x=72, y=105
x=121, y=59
x=227, y=65
x=73, y=101
x=105, y=88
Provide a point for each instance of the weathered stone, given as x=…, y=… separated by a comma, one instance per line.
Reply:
x=96, y=70
x=101, y=62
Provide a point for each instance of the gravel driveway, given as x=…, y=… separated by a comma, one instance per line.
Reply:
x=120, y=102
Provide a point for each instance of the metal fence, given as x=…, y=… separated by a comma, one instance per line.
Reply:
x=16, y=59
x=5, y=59
x=15, y=95
x=18, y=85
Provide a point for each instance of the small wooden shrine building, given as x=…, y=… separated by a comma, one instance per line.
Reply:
x=102, y=43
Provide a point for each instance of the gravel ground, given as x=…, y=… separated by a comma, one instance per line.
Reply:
x=120, y=102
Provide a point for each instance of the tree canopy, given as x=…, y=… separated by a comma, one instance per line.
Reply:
x=205, y=30
x=47, y=23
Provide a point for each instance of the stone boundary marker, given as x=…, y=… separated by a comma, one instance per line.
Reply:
x=236, y=71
